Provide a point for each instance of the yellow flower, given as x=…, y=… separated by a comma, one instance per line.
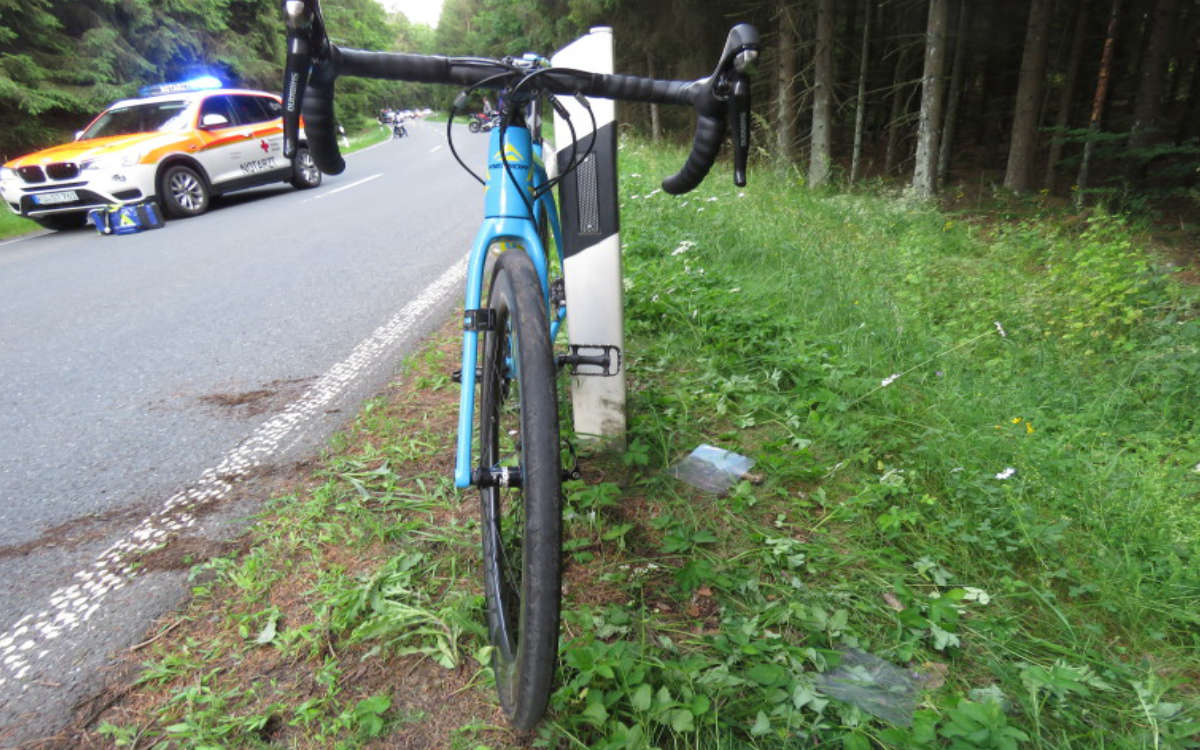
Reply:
x=1029, y=428
x=1016, y=420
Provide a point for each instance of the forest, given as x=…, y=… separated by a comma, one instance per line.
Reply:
x=1072, y=97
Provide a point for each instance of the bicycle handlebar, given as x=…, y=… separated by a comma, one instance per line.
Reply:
x=314, y=63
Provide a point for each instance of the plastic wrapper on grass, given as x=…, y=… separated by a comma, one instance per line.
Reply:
x=876, y=686
x=712, y=469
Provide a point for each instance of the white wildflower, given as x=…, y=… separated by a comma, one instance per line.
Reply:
x=655, y=191
x=972, y=594
x=711, y=200
x=684, y=246
x=889, y=380
x=1000, y=329
x=735, y=290
x=1008, y=473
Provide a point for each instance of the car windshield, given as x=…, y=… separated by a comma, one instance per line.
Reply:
x=139, y=118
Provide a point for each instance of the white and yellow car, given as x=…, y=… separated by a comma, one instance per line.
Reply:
x=179, y=143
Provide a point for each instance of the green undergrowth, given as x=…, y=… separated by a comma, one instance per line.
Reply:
x=971, y=522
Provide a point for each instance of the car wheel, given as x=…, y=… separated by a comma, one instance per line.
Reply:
x=184, y=192
x=59, y=222
x=304, y=170
x=473, y=126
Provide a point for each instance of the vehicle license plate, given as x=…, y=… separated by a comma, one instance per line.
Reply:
x=62, y=196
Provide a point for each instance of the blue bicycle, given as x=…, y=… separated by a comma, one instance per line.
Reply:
x=512, y=367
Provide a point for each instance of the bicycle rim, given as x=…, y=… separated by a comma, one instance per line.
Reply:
x=521, y=521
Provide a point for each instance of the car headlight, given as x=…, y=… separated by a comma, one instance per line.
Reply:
x=112, y=161
x=102, y=162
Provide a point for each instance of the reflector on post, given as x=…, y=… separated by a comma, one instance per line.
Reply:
x=591, y=246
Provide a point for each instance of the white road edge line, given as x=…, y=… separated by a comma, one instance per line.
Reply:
x=375, y=176
x=24, y=237
x=29, y=639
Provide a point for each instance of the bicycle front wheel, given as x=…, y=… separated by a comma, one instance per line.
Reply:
x=520, y=490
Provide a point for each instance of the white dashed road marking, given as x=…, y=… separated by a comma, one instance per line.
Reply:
x=344, y=187
x=29, y=639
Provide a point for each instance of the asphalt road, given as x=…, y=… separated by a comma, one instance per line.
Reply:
x=150, y=384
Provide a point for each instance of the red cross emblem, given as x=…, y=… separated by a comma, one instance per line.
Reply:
x=264, y=145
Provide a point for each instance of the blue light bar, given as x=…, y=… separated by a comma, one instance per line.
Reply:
x=199, y=83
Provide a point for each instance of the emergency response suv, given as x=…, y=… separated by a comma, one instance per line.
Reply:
x=181, y=144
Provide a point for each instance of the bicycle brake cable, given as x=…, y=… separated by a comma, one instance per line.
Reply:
x=573, y=163
x=459, y=101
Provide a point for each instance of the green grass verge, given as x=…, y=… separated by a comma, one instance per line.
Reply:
x=12, y=225
x=972, y=525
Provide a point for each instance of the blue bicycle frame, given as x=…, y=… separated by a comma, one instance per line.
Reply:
x=507, y=220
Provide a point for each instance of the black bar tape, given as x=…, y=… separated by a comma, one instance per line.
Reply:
x=625, y=88
x=400, y=66
x=394, y=66
x=319, y=127
x=710, y=131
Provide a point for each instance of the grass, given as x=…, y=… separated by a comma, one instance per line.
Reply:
x=12, y=225
x=971, y=522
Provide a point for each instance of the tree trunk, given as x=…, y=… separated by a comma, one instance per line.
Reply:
x=945, y=149
x=1022, y=149
x=861, y=105
x=1188, y=98
x=897, y=110
x=1110, y=39
x=1147, y=111
x=655, y=123
x=785, y=97
x=925, y=172
x=1063, y=119
x=822, y=122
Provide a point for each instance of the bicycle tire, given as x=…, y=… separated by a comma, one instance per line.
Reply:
x=522, y=526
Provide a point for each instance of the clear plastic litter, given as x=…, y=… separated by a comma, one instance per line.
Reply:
x=712, y=469
x=876, y=686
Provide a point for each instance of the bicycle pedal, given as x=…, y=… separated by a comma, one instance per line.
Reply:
x=602, y=360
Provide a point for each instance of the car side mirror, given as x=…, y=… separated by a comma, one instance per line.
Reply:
x=213, y=120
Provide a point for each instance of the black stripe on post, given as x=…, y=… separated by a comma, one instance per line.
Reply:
x=588, y=196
